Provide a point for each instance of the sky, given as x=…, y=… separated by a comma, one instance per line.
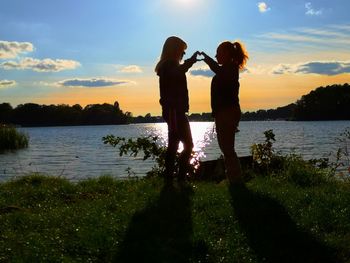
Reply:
x=87, y=51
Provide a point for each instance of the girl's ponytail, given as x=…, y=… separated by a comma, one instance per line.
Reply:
x=240, y=54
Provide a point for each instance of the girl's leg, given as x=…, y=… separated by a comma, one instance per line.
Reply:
x=226, y=124
x=185, y=136
x=173, y=142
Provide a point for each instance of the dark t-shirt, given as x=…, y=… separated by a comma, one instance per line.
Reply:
x=173, y=85
x=224, y=85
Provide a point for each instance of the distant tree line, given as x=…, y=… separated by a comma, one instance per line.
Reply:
x=324, y=103
x=281, y=113
x=148, y=118
x=31, y=114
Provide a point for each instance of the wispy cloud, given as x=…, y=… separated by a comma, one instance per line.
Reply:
x=263, y=7
x=7, y=83
x=44, y=65
x=13, y=49
x=311, y=11
x=93, y=82
x=130, y=69
x=333, y=36
x=284, y=69
x=341, y=27
x=329, y=68
x=256, y=70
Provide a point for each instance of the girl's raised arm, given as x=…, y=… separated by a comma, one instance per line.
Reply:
x=213, y=65
x=189, y=62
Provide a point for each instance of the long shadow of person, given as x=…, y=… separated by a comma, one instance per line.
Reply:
x=162, y=232
x=271, y=233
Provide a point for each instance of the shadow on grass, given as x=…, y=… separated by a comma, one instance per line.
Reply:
x=271, y=233
x=162, y=232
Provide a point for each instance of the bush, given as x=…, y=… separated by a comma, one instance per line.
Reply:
x=11, y=139
x=292, y=168
x=302, y=173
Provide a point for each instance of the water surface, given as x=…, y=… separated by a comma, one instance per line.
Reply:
x=77, y=152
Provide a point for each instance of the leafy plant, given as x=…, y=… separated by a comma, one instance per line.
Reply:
x=147, y=145
x=338, y=164
x=150, y=149
x=342, y=156
x=263, y=153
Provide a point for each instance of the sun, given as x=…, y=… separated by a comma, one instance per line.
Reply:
x=185, y=3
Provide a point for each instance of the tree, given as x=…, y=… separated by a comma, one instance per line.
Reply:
x=5, y=112
x=324, y=103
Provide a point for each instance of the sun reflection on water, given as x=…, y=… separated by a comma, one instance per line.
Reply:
x=202, y=134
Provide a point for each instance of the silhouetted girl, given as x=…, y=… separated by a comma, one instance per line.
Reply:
x=231, y=57
x=174, y=102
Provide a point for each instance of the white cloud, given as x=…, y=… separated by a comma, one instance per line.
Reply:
x=13, y=49
x=329, y=68
x=206, y=72
x=131, y=69
x=7, y=83
x=93, y=82
x=256, y=70
x=284, y=69
x=44, y=65
x=311, y=11
x=263, y=7
x=202, y=72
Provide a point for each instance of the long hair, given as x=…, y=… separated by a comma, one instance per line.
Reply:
x=171, y=50
x=237, y=52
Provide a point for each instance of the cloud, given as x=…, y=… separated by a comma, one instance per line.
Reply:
x=13, y=49
x=284, y=69
x=329, y=68
x=336, y=37
x=203, y=72
x=263, y=7
x=93, y=82
x=7, y=83
x=325, y=68
x=44, y=65
x=312, y=12
x=207, y=73
x=256, y=70
x=131, y=69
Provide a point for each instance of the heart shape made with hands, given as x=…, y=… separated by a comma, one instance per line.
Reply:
x=200, y=56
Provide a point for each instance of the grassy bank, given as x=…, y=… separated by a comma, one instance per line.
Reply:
x=273, y=219
x=11, y=139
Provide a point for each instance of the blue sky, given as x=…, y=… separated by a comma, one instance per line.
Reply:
x=88, y=51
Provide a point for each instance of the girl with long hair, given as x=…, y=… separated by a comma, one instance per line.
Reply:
x=231, y=58
x=175, y=104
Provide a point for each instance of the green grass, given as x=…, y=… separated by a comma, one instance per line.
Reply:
x=273, y=219
x=11, y=139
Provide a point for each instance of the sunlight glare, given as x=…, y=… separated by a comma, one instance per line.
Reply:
x=188, y=4
x=202, y=134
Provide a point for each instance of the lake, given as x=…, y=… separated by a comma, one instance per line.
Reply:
x=77, y=152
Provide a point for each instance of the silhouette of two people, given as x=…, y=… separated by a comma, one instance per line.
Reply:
x=231, y=58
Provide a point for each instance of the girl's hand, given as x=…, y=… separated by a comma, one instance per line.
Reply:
x=194, y=59
x=203, y=54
